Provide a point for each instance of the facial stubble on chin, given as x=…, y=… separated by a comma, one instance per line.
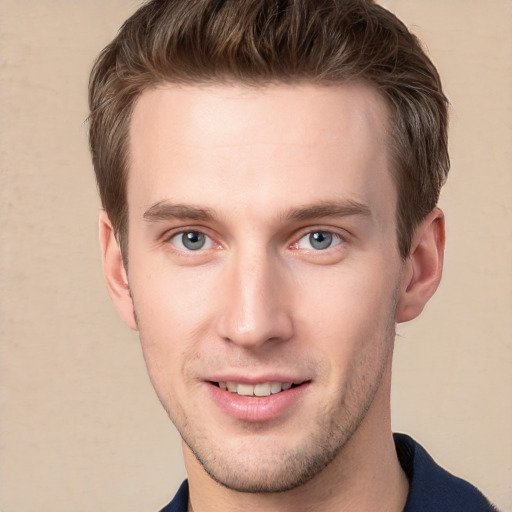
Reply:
x=296, y=467
x=288, y=471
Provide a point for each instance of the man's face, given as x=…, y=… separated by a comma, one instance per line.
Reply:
x=263, y=254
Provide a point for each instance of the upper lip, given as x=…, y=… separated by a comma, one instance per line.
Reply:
x=260, y=379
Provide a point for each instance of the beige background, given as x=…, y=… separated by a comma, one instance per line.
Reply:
x=80, y=427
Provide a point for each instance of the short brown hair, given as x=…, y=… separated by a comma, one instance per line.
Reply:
x=258, y=42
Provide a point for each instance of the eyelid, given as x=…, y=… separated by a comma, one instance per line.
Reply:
x=335, y=241
x=168, y=236
x=181, y=246
x=337, y=232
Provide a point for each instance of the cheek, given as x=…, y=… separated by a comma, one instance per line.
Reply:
x=174, y=310
x=167, y=314
x=349, y=312
x=353, y=294
x=173, y=299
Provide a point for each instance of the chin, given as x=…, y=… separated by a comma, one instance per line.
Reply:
x=254, y=469
x=267, y=476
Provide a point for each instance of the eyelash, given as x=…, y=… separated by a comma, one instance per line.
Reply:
x=334, y=239
x=208, y=240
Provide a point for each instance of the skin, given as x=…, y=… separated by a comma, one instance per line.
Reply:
x=257, y=171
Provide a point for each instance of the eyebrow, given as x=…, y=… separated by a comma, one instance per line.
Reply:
x=164, y=210
x=343, y=208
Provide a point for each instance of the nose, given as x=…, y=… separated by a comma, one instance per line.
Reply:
x=255, y=301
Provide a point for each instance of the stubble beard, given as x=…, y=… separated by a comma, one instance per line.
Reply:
x=291, y=468
x=288, y=468
x=282, y=471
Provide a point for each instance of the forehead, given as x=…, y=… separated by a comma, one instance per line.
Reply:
x=277, y=142
x=313, y=111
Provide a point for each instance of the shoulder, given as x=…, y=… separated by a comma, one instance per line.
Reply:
x=432, y=487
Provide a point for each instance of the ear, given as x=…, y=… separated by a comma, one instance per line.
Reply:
x=115, y=273
x=423, y=268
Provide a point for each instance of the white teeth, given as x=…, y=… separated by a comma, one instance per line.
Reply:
x=263, y=389
x=232, y=386
x=245, y=389
x=275, y=387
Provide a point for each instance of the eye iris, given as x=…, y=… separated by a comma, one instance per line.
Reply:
x=193, y=240
x=320, y=240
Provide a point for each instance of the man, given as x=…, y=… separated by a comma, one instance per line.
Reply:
x=269, y=172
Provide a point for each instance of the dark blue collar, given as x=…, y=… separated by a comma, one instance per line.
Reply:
x=432, y=489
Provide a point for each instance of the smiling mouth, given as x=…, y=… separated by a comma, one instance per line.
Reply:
x=263, y=389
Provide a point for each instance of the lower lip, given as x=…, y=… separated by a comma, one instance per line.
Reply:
x=253, y=408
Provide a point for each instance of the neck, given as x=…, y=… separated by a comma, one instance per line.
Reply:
x=365, y=476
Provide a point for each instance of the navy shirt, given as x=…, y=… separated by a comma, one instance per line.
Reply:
x=432, y=489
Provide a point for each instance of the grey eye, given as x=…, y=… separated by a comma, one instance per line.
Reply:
x=320, y=240
x=193, y=240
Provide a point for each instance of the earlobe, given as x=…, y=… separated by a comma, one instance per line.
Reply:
x=115, y=272
x=423, y=268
